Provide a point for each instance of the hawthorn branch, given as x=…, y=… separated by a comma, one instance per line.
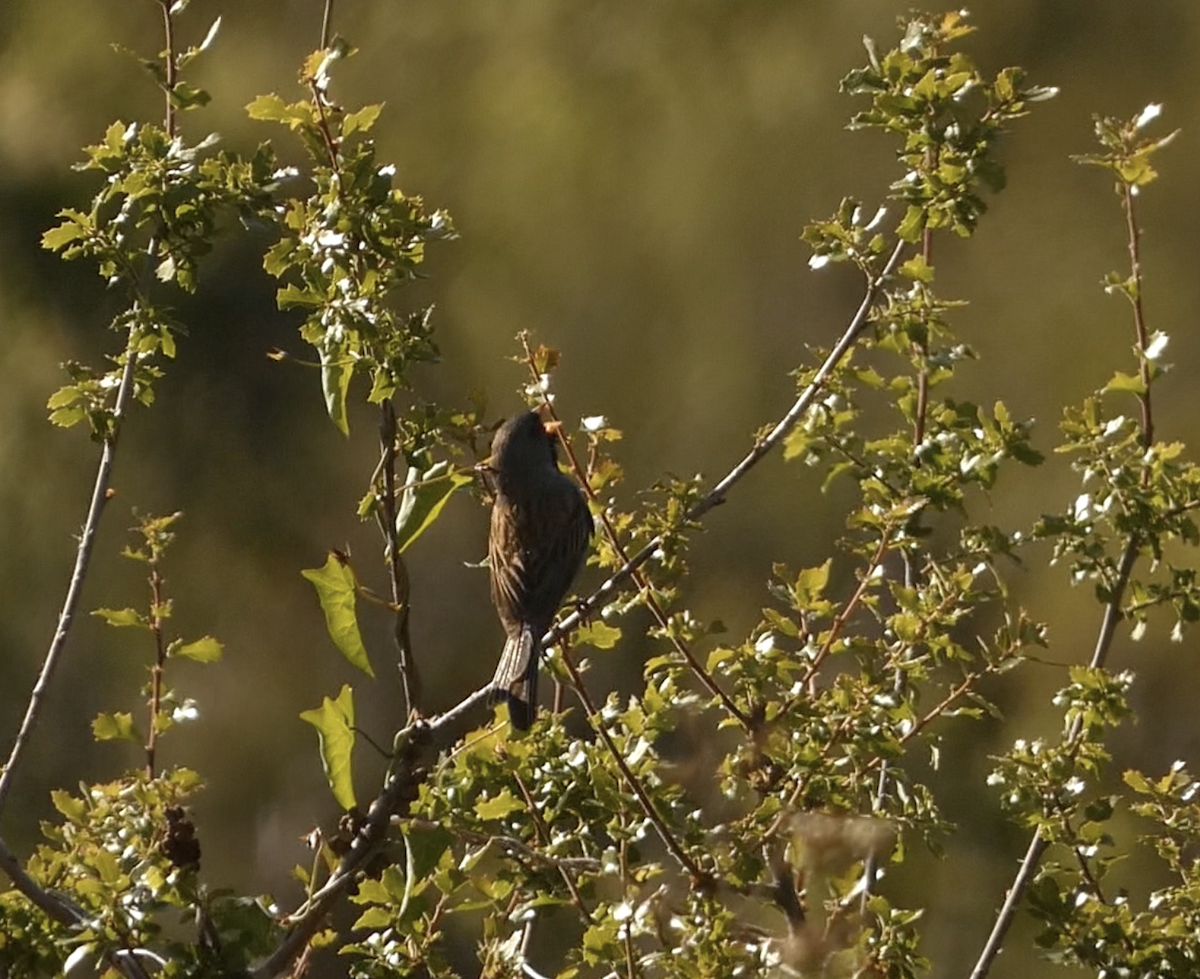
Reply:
x=83, y=556
x=1112, y=608
x=664, y=831
x=307, y=920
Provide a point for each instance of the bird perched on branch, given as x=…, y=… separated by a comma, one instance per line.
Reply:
x=539, y=536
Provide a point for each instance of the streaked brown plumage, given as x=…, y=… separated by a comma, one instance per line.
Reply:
x=539, y=536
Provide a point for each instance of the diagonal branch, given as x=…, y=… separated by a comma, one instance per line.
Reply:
x=1112, y=608
x=83, y=555
x=762, y=448
x=1038, y=844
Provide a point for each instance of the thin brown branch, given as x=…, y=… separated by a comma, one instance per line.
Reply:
x=1139, y=317
x=83, y=556
x=326, y=25
x=170, y=66
x=647, y=804
x=543, y=833
x=154, y=703
x=922, y=348
x=627, y=926
x=1038, y=845
x=397, y=570
x=848, y=609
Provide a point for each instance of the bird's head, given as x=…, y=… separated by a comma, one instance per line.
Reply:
x=522, y=449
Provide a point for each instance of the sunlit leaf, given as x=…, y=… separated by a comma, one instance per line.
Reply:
x=334, y=721
x=337, y=590
x=115, y=727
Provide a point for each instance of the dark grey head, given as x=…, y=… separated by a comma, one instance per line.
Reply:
x=522, y=449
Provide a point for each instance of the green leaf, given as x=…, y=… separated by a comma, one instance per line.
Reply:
x=70, y=230
x=424, y=496
x=114, y=727
x=913, y=224
x=271, y=108
x=185, y=96
x=500, y=806
x=598, y=634
x=204, y=650
x=337, y=590
x=291, y=296
x=73, y=809
x=336, y=371
x=334, y=721
x=811, y=582
x=362, y=120
x=122, y=617
x=917, y=269
x=373, y=919
x=279, y=257
x=1125, y=382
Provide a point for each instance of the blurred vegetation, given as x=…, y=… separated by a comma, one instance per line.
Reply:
x=630, y=181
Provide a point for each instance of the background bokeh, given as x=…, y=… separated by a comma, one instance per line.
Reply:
x=630, y=180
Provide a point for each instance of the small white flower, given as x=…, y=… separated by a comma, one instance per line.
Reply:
x=1148, y=115
x=1158, y=343
x=818, y=262
x=875, y=221
x=593, y=423
x=189, y=710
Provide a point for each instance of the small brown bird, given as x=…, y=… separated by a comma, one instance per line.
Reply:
x=539, y=536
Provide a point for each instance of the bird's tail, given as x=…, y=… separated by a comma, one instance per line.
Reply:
x=516, y=678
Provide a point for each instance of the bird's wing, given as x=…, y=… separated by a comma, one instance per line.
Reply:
x=535, y=554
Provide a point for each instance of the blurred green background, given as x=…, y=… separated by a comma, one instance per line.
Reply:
x=630, y=180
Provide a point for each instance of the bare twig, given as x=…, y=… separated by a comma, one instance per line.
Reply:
x=397, y=570
x=83, y=555
x=326, y=24
x=1139, y=316
x=156, y=671
x=664, y=831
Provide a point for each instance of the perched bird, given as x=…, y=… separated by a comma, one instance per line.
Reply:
x=539, y=536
